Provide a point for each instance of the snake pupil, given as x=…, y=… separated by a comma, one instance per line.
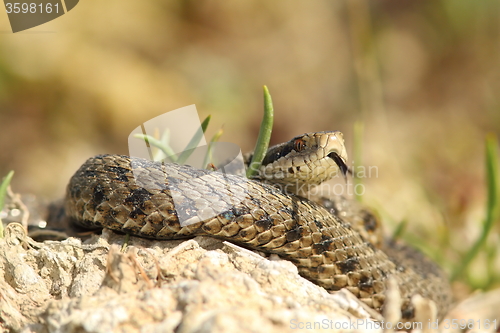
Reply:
x=299, y=145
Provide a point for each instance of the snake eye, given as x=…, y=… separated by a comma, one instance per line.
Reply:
x=299, y=145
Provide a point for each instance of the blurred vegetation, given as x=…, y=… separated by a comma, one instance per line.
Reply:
x=491, y=216
x=4, y=184
x=421, y=76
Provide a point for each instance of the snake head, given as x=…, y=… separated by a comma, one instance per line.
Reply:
x=305, y=161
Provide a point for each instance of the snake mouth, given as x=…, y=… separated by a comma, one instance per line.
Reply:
x=340, y=163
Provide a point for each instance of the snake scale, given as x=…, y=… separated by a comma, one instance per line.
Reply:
x=334, y=242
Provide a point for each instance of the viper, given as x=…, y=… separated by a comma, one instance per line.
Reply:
x=335, y=242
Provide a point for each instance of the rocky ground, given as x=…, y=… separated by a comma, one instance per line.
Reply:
x=198, y=285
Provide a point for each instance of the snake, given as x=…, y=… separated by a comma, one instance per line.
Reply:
x=334, y=242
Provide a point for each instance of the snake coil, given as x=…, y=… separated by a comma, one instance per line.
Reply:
x=331, y=242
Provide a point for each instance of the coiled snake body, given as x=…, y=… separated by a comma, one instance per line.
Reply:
x=331, y=243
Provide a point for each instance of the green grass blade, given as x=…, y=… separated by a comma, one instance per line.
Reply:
x=3, y=188
x=492, y=204
x=492, y=172
x=165, y=141
x=400, y=230
x=194, y=141
x=208, y=156
x=158, y=144
x=266, y=128
x=3, y=193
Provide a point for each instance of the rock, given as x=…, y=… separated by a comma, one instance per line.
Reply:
x=197, y=285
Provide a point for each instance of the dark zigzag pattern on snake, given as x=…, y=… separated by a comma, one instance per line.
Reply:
x=104, y=192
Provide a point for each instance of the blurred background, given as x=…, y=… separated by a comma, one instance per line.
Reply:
x=420, y=78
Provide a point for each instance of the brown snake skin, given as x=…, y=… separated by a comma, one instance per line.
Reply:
x=326, y=248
